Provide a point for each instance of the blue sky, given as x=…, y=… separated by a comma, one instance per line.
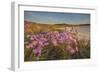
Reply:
x=56, y=17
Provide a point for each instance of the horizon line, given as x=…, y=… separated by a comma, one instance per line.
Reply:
x=55, y=23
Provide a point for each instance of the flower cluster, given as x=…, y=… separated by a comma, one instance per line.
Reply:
x=38, y=41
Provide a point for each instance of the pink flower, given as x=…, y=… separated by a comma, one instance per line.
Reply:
x=29, y=46
x=71, y=50
x=37, y=51
x=54, y=42
x=31, y=38
x=34, y=42
x=39, y=40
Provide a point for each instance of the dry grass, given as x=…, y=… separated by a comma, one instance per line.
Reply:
x=56, y=53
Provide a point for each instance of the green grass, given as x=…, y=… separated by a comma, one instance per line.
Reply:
x=58, y=53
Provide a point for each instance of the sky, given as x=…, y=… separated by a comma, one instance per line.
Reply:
x=56, y=17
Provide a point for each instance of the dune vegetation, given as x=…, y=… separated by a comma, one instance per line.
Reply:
x=55, y=42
